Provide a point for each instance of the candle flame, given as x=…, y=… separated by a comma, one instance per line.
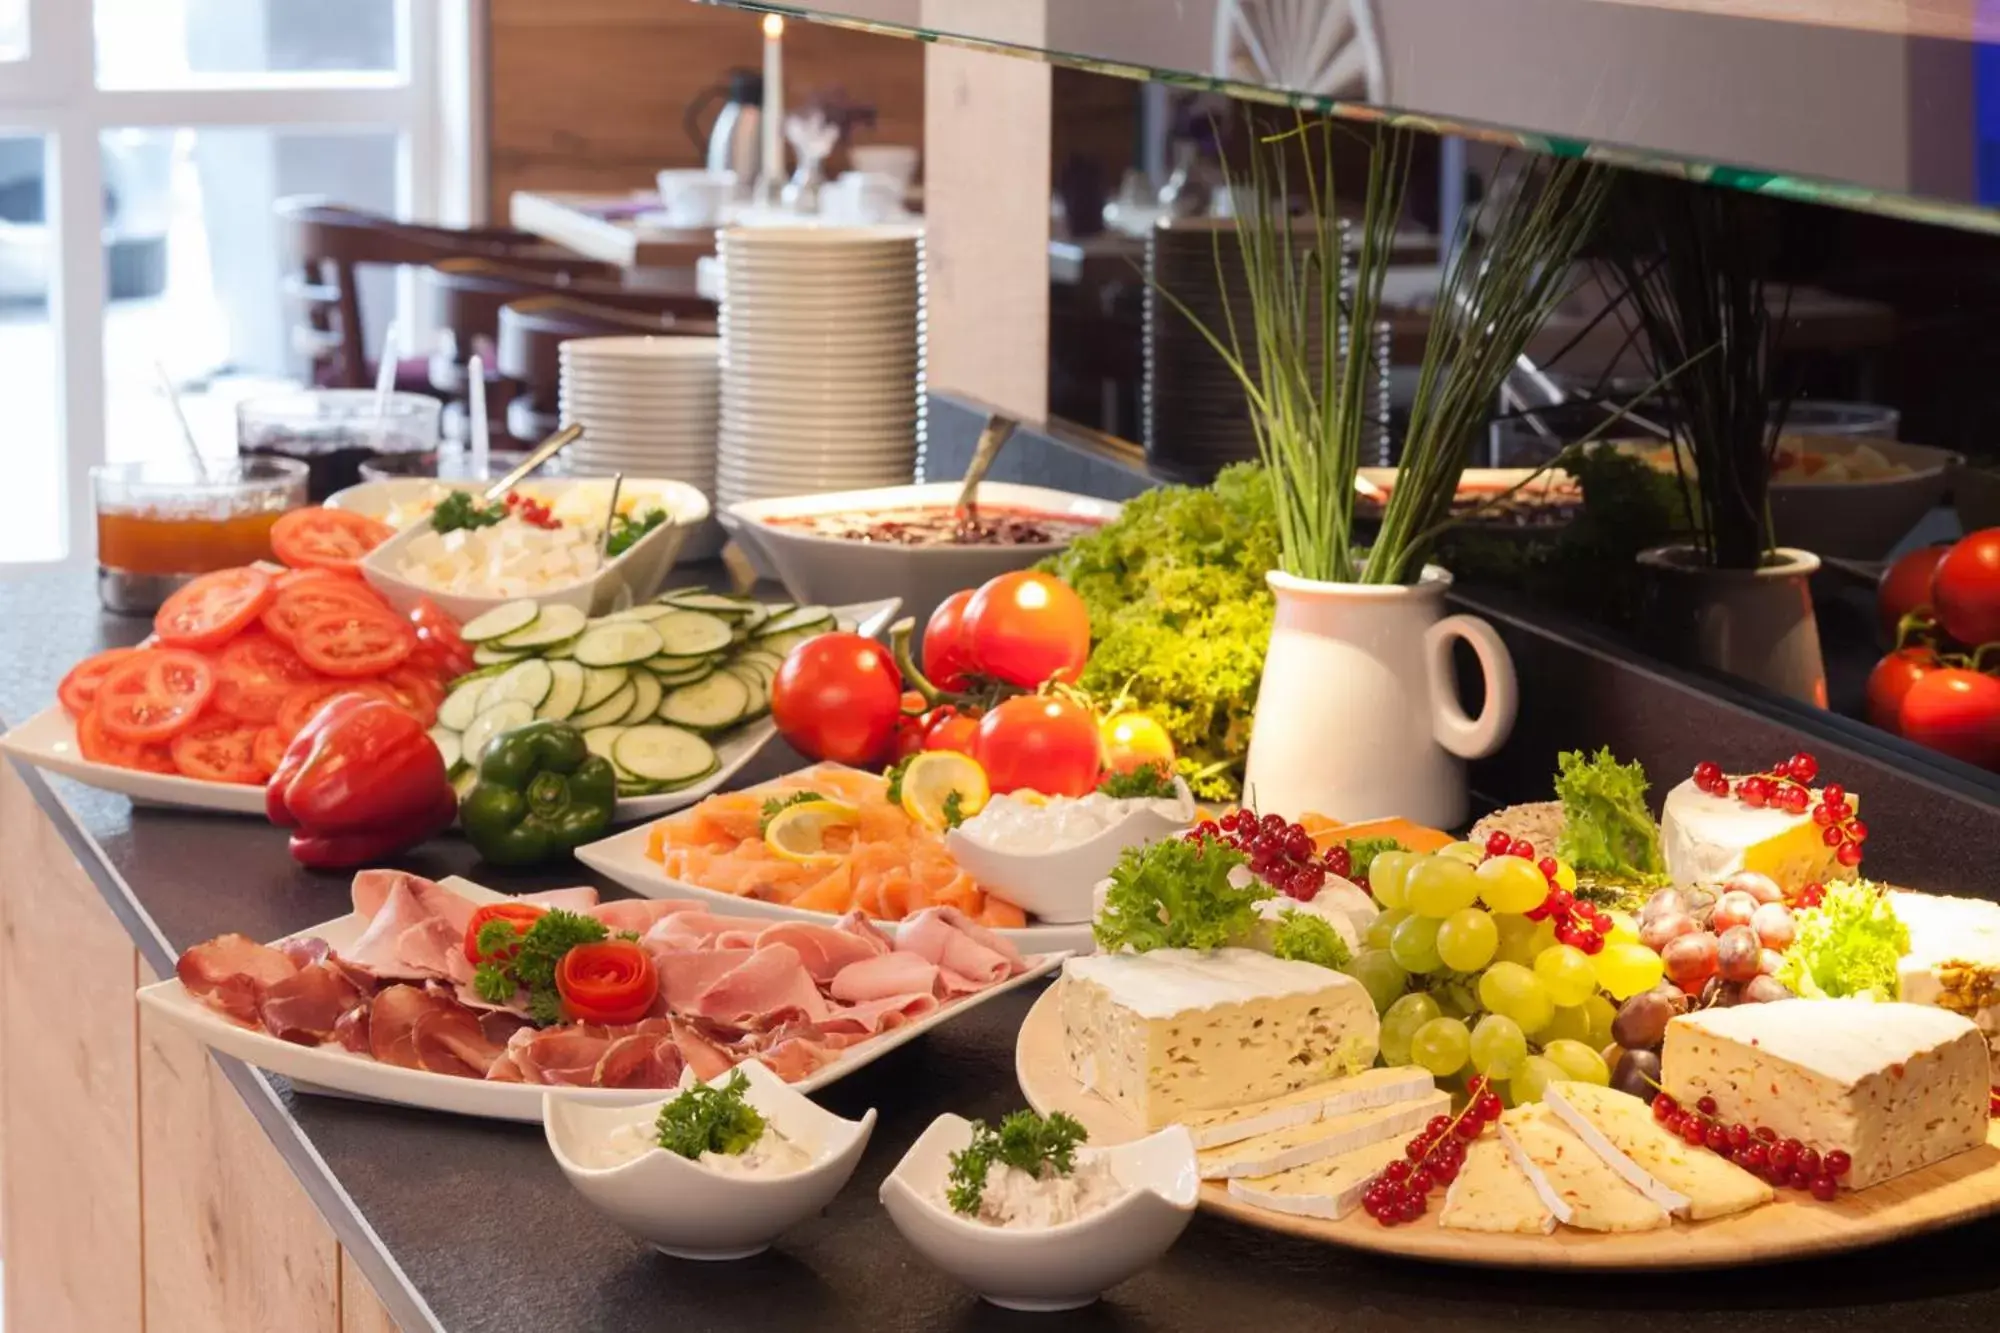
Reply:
x=774, y=25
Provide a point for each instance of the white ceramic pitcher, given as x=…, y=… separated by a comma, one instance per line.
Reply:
x=1357, y=717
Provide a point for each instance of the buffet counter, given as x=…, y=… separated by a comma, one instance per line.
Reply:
x=148, y=1185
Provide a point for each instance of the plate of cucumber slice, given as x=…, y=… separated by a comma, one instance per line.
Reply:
x=675, y=693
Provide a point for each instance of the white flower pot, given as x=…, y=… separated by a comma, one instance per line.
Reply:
x=1754, y=623
x=1357, y=717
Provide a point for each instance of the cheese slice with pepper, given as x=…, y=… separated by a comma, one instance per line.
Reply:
x=1296, y=1145
x=1685, y=1180
x=1576, y=1184
x=1706, y=839
x=1895, y=1086
x=1330, y=1188
x=1174, y=1032
x=1492, y=1193
x=1358, y=1092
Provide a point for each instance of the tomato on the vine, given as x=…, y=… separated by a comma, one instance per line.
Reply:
x=1891, y=680
x=1133, y=740
x=1956, y=712
x=1966, y=589
x=952, y=730
x=839, y=697
x=1041, y=743
x=1905, y=586
x=947, y=655
x=1026, y=629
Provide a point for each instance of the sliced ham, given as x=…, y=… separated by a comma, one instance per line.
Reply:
x=380, y=947
x=693, y=923
x=373, y=889
x=958, y=944
x=450, y=1041
x=205, y=966
x=703, y=1056
x=431, y=947
x=640, y=1060
x=306, y=1006
x=857, y=924
x=640, y=914
x=392, y=1023
x=686, y=973
x=880, y=1015
x=795, y=1058
x=504, y=1070
x=581, y=898
x=772, y=979
x=500, y=1026
x=897, y=973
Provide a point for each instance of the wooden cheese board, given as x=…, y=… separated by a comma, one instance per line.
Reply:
x=1953, y=1191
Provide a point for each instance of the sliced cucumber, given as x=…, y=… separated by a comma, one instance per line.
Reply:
x=648, y=694
x=487, y=656
x=610, y=711
x=765, y=663
x=599, y=740
x=759, y=687
x=679, y=670
x=692, y=634
x=462, y=704
x=565, y=692
x=720, y=701
x=490, y=723
x=617, y=643
x=556, y=623
x=448, y=745
x=782, y=644
x=643, y=611
x=528, y=681
x=664, y=755
x=714, y=603
x=504, y=619
x=599, y=684
x=798, y=618
x=560, y=651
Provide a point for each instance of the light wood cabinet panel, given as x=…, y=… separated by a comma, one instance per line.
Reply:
x=360, y=1309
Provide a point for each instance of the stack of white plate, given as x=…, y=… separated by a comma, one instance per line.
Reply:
x=822, y=359
x=647, y=406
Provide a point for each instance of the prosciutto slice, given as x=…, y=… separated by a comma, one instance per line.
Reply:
x=772, y=980
x=703, y=1056
x=205, y=966
x=960, y=945
x=306, y=951
x=307, y=1006
x=794, y=1058
x=392, y=1024
x=884, y=975
x=640, y=1060
x=562, y=1056
x=449, y=1040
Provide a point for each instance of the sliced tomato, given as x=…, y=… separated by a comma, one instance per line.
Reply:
x=293, y=578
x=315, y=538
x=78, y=690
x=269, y=748
x=611, y=982
x=351, y=643
x=419, y=693
x=213, y=609
x=519, y=915
x=440, y=649
x=306, y=700
x=153, y=695
x=100, y=748
x=301, y=602
x=219, y=749
x=255, y=674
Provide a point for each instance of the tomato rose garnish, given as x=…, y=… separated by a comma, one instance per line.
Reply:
x=612, y=982
x=521, y=916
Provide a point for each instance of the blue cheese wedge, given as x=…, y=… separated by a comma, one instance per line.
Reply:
x=1297, y=1145
x=1359, y=1092
x=1576, y=1184
x=1706, y=839
x=1687, y=1181
x=1174, y=1032
x=1492, y=1193
x=1954, y=959
x=1895, y=1086
x=1330, y=1188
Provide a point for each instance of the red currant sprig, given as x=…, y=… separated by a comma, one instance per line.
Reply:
x=1281, y=854
x=1578, y=924
x=1783, y=1163
x=1433, y=1158
x=1788, y=787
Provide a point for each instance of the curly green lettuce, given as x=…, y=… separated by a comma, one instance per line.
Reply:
x=1847, y=946
x=1180, y=615
x=1309, y=939
x=1607, y=827
x=1177, y=894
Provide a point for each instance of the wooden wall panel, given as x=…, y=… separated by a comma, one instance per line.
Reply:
x=360, y=1309
x=69, y=1184
x=590, y=94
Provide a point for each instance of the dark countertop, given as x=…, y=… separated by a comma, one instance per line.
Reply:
x=467, y=1225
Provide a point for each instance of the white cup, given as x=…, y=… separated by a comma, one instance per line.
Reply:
x=861, y=196
x=694, y=198
x=895, y=160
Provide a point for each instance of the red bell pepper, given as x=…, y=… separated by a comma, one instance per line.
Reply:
x=360, y=781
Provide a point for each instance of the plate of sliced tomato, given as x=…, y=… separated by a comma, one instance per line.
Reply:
x=239, y=660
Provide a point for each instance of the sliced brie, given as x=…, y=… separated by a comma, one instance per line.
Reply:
x=1330, y=1188
x=1575, y=1183
x=1954, y=959
x=1492, y=1193
x=1297, y=1145
x=1687, y=1181
x=1706, y=839
x=1358, y=1092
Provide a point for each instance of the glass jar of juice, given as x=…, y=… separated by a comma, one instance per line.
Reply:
x=334, y=431
x=161, y=523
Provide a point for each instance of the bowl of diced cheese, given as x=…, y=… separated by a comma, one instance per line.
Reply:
x=548, y=544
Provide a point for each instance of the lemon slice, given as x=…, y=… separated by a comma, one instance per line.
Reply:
x=933, y=778
x=798, y=832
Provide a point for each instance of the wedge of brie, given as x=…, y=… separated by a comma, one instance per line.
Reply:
x=1297, y=1145
x=1343, y=1096
x=1330, y=1188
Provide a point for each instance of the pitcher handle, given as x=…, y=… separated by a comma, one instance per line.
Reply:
x=1470, y=737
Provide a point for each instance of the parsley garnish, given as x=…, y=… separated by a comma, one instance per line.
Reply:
x=460, y=510
x=626, y=530
x=1146, y=782
x=1024, y=1141
x=705, y=1119
x=531, y=966
x=1309, y=939
x=954, y=808
x=1177, y=894
x=1363, y=851
x=895, y=773
x=778, y=804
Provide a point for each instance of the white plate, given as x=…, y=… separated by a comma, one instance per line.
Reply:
x=336, y=1069
x=48, y=740
x=638, y=348
x=622, y=857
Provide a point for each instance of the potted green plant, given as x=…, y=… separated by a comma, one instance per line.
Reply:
x=1356, y=713
x=1693, y=260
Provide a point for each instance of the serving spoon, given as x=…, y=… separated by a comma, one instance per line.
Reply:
x=999, y=429
x=542, y=453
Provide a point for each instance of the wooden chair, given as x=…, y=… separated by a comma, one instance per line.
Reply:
x=325, y=243
x=531, y=331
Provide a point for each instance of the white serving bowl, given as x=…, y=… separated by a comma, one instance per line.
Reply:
x=688, y=1211
x=825, y=570
x=1048, y=1268
x=1059, y=886
x=1861, y=520
x=637, y=573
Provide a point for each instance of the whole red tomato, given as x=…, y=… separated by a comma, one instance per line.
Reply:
x=1891, y=680
x=952, y=730
x=912, y=722
x=947, y=655
x=1905, y=586
x=1027, y=628
x=1966, y=589
x=1955, y=712
x=1133, y=740
x=1042, y=744
x=839, y=697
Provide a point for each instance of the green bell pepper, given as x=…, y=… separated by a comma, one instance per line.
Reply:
x=541, y=794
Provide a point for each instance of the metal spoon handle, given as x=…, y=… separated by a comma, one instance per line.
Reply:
x=998, y=431
x=610, y=519
x=543, y=452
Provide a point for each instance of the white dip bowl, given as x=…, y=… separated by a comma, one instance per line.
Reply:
x=1057, y=885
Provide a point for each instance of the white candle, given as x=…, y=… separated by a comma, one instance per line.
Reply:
x=773, y=163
